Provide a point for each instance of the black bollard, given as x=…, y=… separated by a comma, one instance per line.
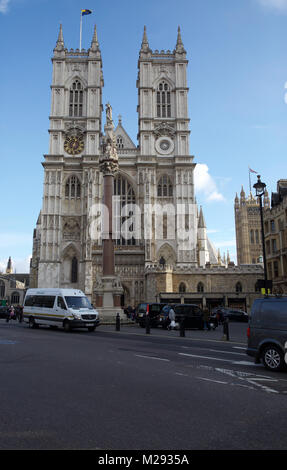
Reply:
x=226, y=329
x=182, y=328
x=118, y=322
x=147, y=324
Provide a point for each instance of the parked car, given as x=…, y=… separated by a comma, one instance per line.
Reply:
x=154, y=313
x=192, y=315
x=4, y=312
x=267, y=332
x=220, y=314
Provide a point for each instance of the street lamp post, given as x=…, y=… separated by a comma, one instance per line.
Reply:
x=260, y=191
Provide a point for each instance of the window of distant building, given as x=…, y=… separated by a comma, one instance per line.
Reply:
x=74, y=270
x=73, y=188
x=120, y=142
x=124, y=195
x=200, y=287
x=76, y=99
x=163, y=100
x=238, y=287
x=164, y=187
x=182, y=288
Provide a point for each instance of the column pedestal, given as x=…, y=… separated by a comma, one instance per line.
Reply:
x=108, y=292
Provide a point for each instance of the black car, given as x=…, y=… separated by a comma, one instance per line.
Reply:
x=191, y=314
x=220, y=314
x=154, y=310
x=267, y=332
x=4, y=312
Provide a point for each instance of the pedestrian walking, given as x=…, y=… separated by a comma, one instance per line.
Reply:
x=171, y=316
x=20, y=314
x=206, y=325
x=11, y=314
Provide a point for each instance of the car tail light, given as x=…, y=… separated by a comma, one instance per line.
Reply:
x=248, y=332
x=147, y=309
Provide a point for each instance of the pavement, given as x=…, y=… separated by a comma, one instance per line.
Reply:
x=237, y=332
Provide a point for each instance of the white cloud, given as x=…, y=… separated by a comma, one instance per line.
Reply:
x=4, y=6
x=204, y=183
x=277, y=5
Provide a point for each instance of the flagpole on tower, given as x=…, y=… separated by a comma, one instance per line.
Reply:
x=83, y=13
x=81, y=22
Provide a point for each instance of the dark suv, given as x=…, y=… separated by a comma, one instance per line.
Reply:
x=267, y=332
x=192, y=315
x=221, y=313
x=154, y=313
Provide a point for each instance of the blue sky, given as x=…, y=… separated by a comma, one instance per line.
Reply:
x=237, y=75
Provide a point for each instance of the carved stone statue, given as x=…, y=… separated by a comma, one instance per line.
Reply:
x=109, y=159
x=109, y=114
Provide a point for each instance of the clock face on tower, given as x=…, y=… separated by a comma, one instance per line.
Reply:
x=74, y=145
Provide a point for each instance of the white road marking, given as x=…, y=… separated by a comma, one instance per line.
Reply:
x=206, y=357
x=152, y=357
x=210, y=380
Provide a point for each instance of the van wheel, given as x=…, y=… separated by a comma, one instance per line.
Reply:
x=67, y=326
x=272, y=358
x=32, y=323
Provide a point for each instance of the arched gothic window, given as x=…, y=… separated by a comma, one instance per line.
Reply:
x=15, y=298
x=120, y=142
x=125, y=195
x=238, y=287
x=182, y=288
x=163, y=100
x=164, y=187
x=200, y=287
x=73, y=188
x=74, y=270
x=76, y=99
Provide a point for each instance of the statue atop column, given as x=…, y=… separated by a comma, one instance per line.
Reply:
x=109, y=160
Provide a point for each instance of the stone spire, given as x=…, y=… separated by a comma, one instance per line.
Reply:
x=228, y=257
x=179, y=48
x=60, y=46
x=201, y=221
x=219, y=257
x=145, y=45
x=9, y=269
x=95, y=42
x=242, y=195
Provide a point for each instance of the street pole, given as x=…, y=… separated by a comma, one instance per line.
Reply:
x=260, y=191
x=263, y=242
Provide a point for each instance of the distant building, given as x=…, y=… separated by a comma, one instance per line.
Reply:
x=12, y=286
x=248, y=228
x=275, y=231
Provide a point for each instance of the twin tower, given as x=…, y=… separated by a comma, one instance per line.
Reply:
x=157, y=172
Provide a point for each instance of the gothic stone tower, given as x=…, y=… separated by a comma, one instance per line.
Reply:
x=70, y=177
x=248, y=228
x=165, y=167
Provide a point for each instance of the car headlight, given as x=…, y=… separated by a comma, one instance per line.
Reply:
x=76, y=315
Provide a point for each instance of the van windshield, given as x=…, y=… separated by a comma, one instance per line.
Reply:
x=78, y=302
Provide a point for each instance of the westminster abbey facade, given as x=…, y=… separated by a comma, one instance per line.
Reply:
x=157, y=170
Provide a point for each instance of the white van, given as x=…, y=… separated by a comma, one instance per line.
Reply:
x=69, y=308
